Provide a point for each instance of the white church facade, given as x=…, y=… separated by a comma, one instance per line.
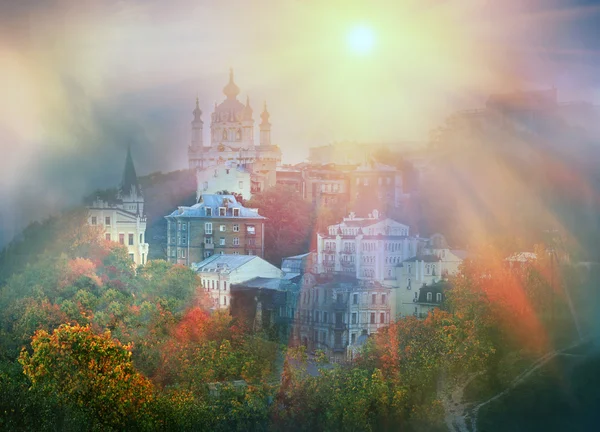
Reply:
x=232, y=143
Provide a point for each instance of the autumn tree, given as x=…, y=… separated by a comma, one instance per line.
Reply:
x=288, y=228
x=89, y=371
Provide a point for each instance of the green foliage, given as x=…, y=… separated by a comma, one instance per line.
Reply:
x=288, y=228
x=89, y=371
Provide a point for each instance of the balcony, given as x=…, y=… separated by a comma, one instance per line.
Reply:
x=209, y=246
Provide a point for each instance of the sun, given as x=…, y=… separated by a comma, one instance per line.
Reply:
x=361, y=40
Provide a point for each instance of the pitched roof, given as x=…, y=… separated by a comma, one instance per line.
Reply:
x=130, y=180
x=222, y=263
x=214, y=201
x=267, y=283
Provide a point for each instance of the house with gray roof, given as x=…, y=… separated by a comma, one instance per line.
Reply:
x=217, y=224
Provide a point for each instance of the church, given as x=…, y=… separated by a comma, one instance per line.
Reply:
x=123, y=219
x=232, y=145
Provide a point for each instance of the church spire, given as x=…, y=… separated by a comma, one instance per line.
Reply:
x=129, y=183
x=231, y=90
x=197, y=112
x=265, y=127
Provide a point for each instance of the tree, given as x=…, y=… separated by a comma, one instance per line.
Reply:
x=288, y=228
x=90, y=371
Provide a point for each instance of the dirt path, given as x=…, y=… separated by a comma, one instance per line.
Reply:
x=458, y=413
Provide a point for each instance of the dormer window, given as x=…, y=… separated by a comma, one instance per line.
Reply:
x=208, y=211
x=236, y=212
x=222, y=211
x=438, y=297
x=429, y=296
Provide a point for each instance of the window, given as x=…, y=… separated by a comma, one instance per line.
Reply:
x=222, y=241
x=208, y=240
x=107, y=221
x=317, y=316
x=122, y=238
x=409, y=268
x=438, y=297
x=132, y=257
x=224, y=285
x=373, y=298
x=236, y=212
x=107, y=236
x=241, y=184
x=236, y=241
x=325, y=317
x=143, y=256
x=250, y=229
x=93, y=220
x=251, y=242
x=208, y=211
x=182, y=253
x=382, y=318
x=354, y=298
x=429, y=296
x=222, y=228
x=383, y=299
x=208, y=228
x=130, y=239
x=205, y=186
x=141, y=238
x=366, y=182
x=354, y=317
x=353, y=338
x=184, y=226
x=236, y=227
x=372, y=317
x=224, y=301
x=207, y=254
x=222, y=211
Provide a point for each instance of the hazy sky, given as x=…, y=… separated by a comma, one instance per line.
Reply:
x=80, y=80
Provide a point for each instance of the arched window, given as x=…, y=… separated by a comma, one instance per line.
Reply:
x=238, y=135
x=428, y=269
x=429, y=296
x=224, y=134
x=433, y=270
x=438, y=297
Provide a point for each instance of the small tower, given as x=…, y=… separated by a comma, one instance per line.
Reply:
x=197, y=124
x=130, y=191
x=248, y=122
x=265, y=128
x=196, y=146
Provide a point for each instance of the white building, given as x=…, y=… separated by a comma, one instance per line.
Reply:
x=232, y=139
x=367, y=248
x=226, y=177
x=218, y=272
x=435, y=262
x=123, y=220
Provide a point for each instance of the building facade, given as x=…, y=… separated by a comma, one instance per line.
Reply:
x=333, y=311
x=228, y=177
x=365, y=248
x=432, y=265
x=124, y=220
x=219, y=272
x=218, y=224
x=232, y=139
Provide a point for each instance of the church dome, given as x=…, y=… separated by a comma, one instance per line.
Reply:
x=231, y=90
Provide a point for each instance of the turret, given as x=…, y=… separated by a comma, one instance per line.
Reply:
x=197, y=124
x=130, y=191
x=265, y=128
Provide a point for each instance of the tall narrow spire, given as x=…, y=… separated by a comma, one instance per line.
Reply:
x=129, y=183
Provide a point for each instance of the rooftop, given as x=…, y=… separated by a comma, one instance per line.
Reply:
x=222, y=263
x=214, y=202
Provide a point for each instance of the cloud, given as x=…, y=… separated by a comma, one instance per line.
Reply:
x=82, y=80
